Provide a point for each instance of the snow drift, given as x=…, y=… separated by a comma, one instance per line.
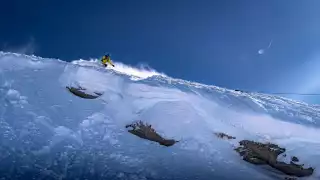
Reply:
x=47, y=132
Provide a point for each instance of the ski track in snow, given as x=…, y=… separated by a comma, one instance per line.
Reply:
x=37, y=109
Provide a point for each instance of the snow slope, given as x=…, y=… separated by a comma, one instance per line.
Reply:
x=49, y=133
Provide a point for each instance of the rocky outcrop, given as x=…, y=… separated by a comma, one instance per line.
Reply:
x=80, y=92
x=266, y=154
x=145, y=131
x=224, y=136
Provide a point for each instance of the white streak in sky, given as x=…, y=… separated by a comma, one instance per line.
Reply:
x=262, y=51
x=270, y=43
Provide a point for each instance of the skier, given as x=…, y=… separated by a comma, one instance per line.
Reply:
x=106, y=59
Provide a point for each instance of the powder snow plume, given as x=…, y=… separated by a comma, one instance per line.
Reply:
x=140, y=72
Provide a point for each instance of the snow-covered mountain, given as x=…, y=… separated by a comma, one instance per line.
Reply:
x=48, y=132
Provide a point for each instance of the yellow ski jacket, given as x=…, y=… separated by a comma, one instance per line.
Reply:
x=106, y=59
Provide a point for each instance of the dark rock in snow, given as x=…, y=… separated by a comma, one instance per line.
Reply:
x=223, y=136
x=145, y=131
x=266, y=154
x=292, y=169
x=294, y=159
x=80, y=93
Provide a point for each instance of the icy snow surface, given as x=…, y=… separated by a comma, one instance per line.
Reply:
x=48, y=133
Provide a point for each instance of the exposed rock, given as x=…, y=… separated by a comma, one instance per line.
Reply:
x=223, y=136
x=254, y=160
x=266, y=154
x=292, y=169
x=294, y=159
x=145, y=131
x=80, y=93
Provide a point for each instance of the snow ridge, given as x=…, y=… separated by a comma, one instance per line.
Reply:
x=49, y=132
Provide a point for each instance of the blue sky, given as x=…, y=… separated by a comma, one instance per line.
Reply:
x=211, y=42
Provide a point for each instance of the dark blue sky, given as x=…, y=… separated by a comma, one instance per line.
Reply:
x=211, y=42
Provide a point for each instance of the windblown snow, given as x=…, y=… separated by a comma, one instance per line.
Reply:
x=47, y=131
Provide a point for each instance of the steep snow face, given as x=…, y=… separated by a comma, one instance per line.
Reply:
x=47, y=132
